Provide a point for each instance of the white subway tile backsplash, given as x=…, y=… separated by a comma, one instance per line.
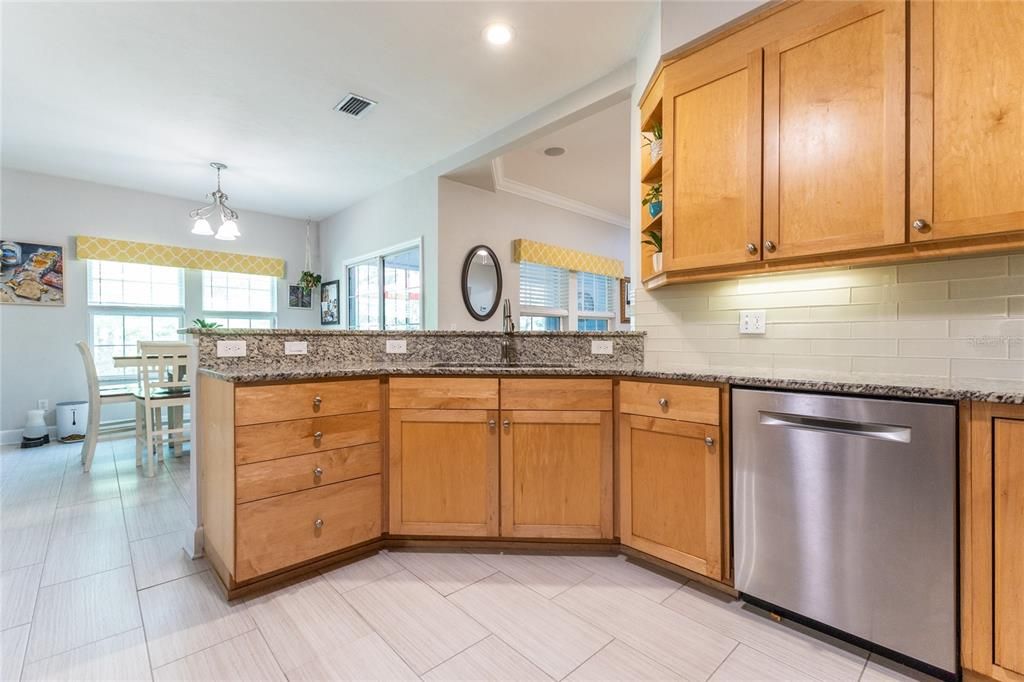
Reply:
x=982, y=347
x=903, y=366
x=1016, y=306
x=1009, y=327
x=854, y=313
x=818, y=280
x=1007, y=370
x=854, y=347
x=917, y=291
x=763, y=344
x=965, y=268
x=833, y=365
x=785, y=299
x=900, y=329
x=1017, y=264
x=802, y=330
x=984, y=288
x=973, y=307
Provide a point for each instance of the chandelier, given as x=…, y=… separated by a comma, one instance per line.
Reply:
x=228, y=229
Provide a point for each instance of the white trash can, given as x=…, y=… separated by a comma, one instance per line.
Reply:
x=72, y=420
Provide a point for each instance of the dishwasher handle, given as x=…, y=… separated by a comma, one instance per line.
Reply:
x=889, y=432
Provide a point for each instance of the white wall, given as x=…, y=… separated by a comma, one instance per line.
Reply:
x=684, y=20
x=468, y=216
x=37, y=354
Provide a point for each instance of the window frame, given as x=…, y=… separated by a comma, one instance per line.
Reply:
x=570, y=316
x=608, y=315
x=379, y=256
x=231, y=314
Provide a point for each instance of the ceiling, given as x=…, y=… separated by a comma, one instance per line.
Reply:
x=593, y=171
x=144, y=95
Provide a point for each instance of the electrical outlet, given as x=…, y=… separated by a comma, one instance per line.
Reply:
x=295, y=348
x=752, y=322
x=601, y=347
x=395, y=346
x=231, y=349
x=42, y=404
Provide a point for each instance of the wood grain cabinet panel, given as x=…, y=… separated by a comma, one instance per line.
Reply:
x=291, y=474
x=556, y=474
x=288, y=529
x=966, y=117
x=670, y=491
x=712, y=160
x=556, y=394
x=281, y=402
x=671, y=401
x=443, y=472
x=259, y=442
x=1008, y=477
x=834, y=133
x=443, y=393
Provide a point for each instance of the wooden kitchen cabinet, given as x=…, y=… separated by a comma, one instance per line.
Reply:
x=966, y=118
x=993, y=542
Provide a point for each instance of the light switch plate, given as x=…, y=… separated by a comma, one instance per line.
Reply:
x=753, y=322
x=601, y=347
x=230, y=349
x=395, y=346
x=296, y=347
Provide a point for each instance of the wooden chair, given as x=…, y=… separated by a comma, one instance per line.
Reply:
x=175, y=415
x=98, y=397
x=165, y=385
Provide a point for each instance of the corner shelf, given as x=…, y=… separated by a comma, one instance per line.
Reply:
x=653, y=174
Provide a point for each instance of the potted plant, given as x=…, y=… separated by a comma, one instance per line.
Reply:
x=654, y=142
x=654, y=239
x=203, y=324
x=308, y=280
x=652, y=200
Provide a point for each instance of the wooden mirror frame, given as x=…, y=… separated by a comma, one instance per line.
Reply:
x=465, y=277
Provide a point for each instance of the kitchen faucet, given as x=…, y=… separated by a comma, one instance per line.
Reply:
x=507, y=327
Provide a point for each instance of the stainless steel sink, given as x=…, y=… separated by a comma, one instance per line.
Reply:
x=492, y=365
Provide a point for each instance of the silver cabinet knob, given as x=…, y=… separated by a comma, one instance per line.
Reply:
x=318, y=524
x=709, y=441
x=751, y=248
x=663, y=402
x=921, y=225
x=491, y=423
x=317, y=401
x=506, y=423
x=318, y=435
x=769, y=246
x=318, y=472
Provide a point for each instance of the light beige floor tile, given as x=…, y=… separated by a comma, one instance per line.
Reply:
x=76, y=556
x=443, y=571
x=22, y=547
x=654, y=586
x=418, y=623
x=551, y=637
x=79, y=612
x=683, y=645
x=749, y=665
x=28, y=485
x=490, y=659
x=305, y=620
x=156, y=518
x=162, y=558
x=880, y=669
x=547, y=574
x=80, y=487
x=245, y=657
x=13, y=642
x=29, y=514
x=139, y=490
x=120, y=657
x=88, y=517
x=813, y=653
x=361, y=572
x=187, y=615
x=367, y=658
x=618, y=661
x=18, y=589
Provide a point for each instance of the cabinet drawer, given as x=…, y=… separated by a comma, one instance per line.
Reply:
x=556, y=394
x=280, y=402
x=684, y=403
x=291, y=474
x=282, y=531
x=432, y=393
x=259, y=442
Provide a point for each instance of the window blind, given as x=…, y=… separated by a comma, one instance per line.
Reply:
x=542, y=286
x=594, y=293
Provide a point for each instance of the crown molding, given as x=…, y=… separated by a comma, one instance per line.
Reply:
x=543, y=196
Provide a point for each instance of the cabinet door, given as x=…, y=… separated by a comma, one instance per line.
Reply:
x=1008, y=477
x=834, y=133
x=443, y=472
x=556, y=474
x=712, y=160
x=966, y=117
x=670, y=491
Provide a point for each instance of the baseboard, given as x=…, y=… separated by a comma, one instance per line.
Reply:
x=107, y=430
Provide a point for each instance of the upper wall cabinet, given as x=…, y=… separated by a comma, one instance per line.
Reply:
x=966, y=118
x=834, y=132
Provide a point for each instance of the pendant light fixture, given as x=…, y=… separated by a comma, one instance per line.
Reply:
x=228, y=229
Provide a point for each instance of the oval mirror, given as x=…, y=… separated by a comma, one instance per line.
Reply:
x=481, y=282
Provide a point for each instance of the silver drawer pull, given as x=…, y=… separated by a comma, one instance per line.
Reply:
x=663, y=402
x=506, y=423
x=709, y=441
x=318, y=524
x=316, y=401
x=318, y=472
x=318, y=435
x=491, y=423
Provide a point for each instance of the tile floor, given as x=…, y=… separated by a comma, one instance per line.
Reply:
x=94, y=586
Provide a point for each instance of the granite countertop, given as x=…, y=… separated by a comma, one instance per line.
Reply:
x=245, y=373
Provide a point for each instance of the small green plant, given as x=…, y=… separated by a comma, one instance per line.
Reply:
x=308, y=280
x=653, y=239
x=655, y=134
x=203, y=324
x=653, y=195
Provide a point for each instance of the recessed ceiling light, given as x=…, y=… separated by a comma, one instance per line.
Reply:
x=554, y=151
x=498, y=34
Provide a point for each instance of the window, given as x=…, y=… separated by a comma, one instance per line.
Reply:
x=129, y=302
x=543, y=297
x=539, y=323
x=225, y=294
x=384, y=291
x=591, y=325
x=595, y=302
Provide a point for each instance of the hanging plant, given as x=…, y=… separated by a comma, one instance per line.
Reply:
x=308, y=280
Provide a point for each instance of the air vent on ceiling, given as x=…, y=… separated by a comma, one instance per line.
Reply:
x=354, y=105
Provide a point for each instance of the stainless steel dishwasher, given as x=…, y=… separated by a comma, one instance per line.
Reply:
x=845, y=512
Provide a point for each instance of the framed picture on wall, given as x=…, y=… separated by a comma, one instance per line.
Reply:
x=31, y=273
x=299, y=298
x=330, y=303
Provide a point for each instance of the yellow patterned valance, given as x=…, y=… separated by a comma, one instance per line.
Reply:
x=98, y=248
x=569, y=259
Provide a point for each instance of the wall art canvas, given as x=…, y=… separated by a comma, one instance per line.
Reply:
x=330, y=300
x=31, y=273
x=300, y=298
